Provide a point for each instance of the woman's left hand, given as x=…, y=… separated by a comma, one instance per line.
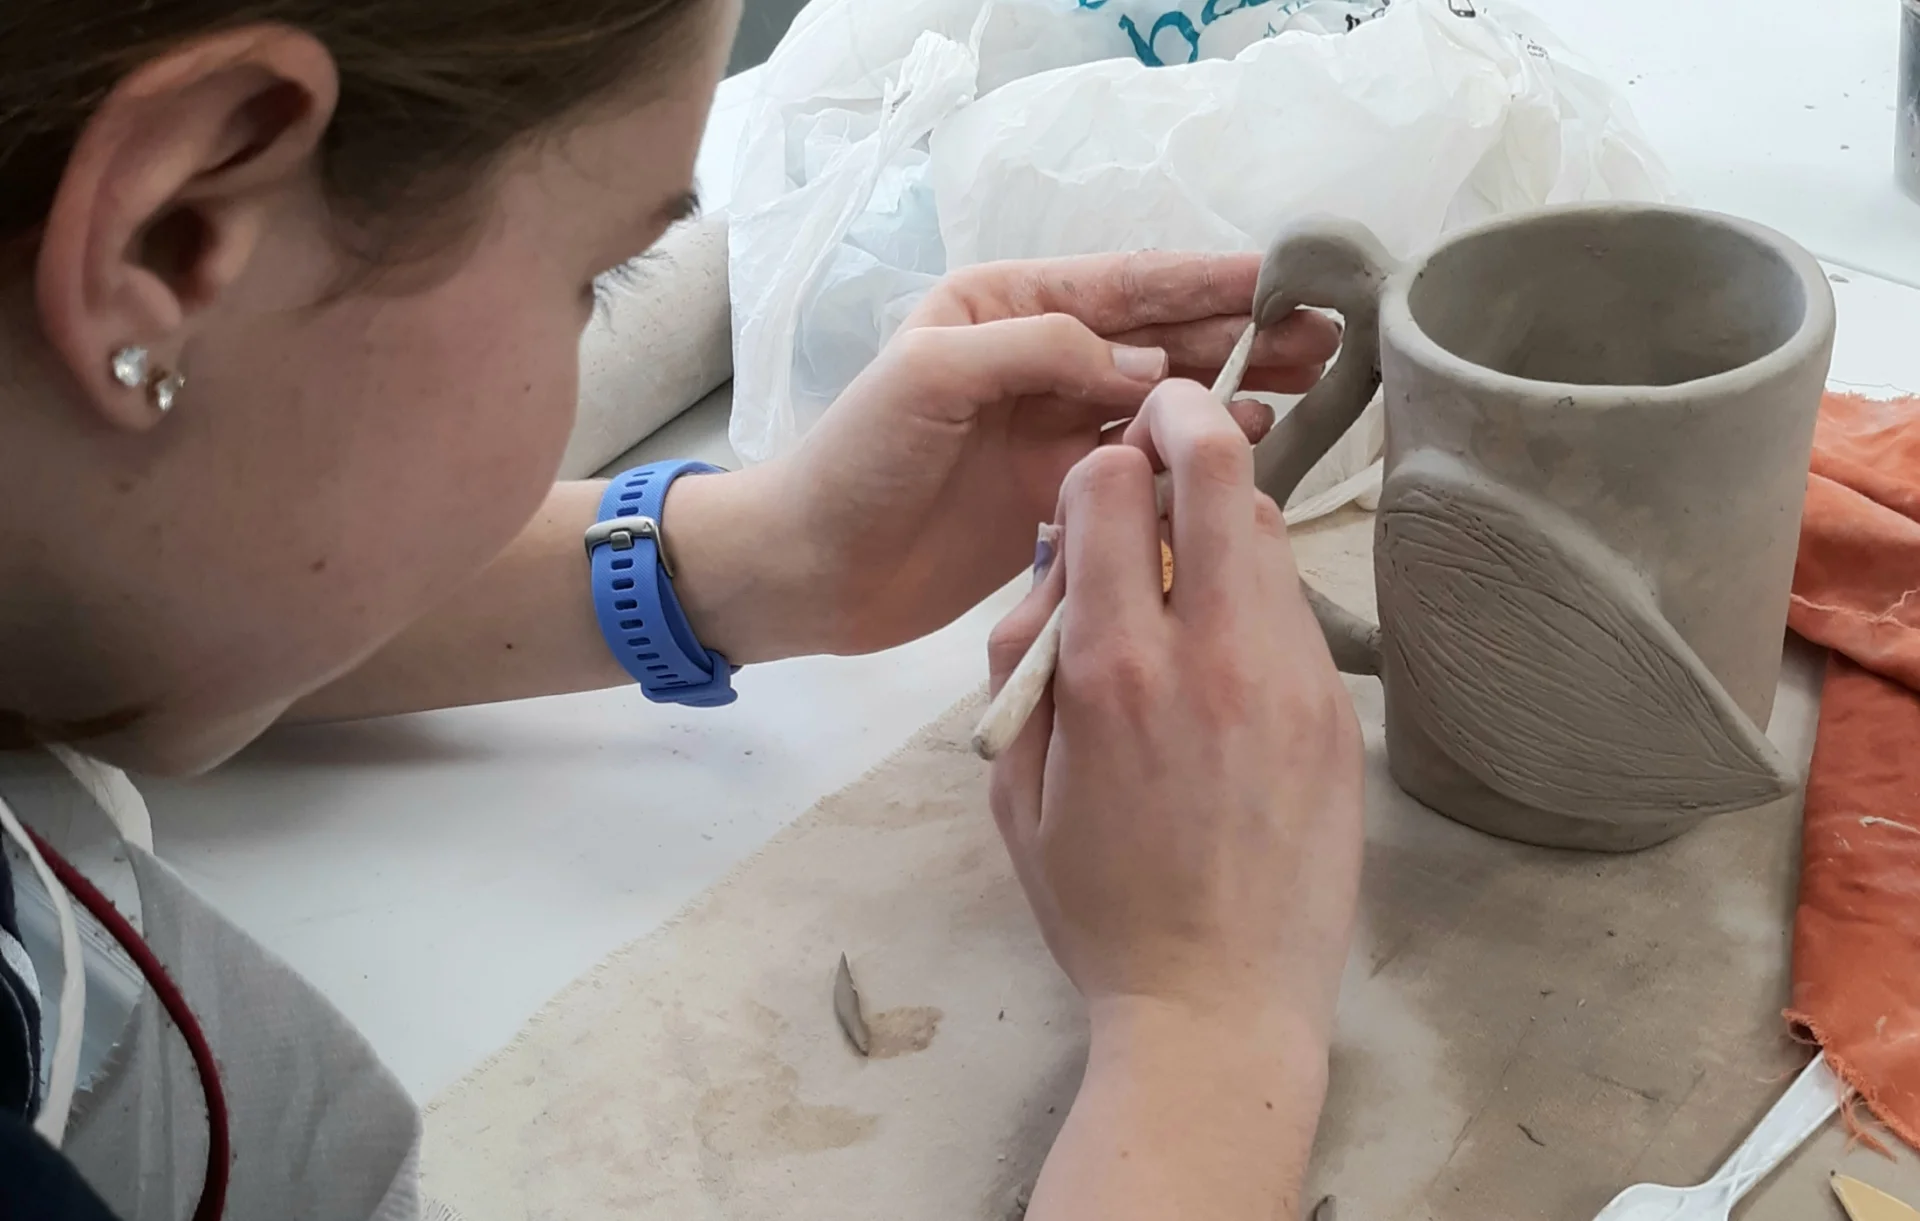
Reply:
x=918, y=493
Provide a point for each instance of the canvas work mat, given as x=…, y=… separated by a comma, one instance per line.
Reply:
x=1523, y=1032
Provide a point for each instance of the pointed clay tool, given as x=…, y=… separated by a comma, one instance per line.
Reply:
x=1864, y=1203
x=1008, y=713
x=846, y=1007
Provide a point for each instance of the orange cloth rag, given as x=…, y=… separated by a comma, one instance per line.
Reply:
x=1856, y=590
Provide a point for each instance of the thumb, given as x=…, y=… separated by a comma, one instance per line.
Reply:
x=1054, y=355
x=1018, y=772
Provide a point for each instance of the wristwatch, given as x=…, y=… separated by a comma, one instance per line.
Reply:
x=633, y=595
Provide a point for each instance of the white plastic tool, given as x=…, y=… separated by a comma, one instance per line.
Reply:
x=1803, y=1110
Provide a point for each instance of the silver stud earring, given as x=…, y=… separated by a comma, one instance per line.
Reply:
x=130, y=366
x=165, y=388
x=133, y=368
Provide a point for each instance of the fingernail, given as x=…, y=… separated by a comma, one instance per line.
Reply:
x=1044, y=549
x=1140, y=364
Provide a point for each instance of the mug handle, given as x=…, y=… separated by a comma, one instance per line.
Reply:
x=1327, y=263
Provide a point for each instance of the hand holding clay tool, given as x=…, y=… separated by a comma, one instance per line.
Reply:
x=1803, y=1110
x=1008, y=713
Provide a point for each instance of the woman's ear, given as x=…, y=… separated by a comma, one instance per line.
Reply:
x=164, y=201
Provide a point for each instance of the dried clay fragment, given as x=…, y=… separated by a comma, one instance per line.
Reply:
x=846, y=1007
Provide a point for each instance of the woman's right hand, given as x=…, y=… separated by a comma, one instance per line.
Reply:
x=1185, y=815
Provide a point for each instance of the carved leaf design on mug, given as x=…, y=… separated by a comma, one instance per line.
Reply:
x=1536, y=657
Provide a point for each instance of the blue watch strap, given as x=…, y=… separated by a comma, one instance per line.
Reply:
x=633, y=595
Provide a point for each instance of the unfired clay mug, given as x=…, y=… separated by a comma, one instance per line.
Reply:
x=1599, y=422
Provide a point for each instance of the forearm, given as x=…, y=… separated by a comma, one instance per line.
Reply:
x=1179, y=1117
x=524, y=626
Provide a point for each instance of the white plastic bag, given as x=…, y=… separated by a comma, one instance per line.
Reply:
x=1412, y=124
x=894, y=139
x=820, y=275
x=1167, y=33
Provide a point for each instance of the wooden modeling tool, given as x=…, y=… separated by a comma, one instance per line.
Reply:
x=1008, y=713
x=1864, y=1203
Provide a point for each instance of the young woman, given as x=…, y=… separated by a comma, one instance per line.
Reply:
x=290, y=294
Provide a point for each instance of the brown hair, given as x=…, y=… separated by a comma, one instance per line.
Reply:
x=432, y=92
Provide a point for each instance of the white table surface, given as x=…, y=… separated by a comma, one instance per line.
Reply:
x=441, y=876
